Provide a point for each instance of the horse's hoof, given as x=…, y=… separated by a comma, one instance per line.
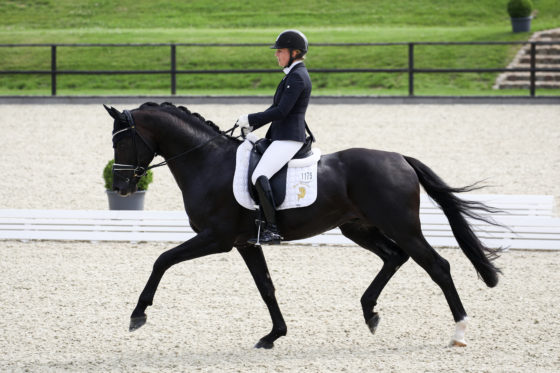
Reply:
x=137, y=322
x=264, y=344
x=458, y=340
x=457, y=343
x=373, y=322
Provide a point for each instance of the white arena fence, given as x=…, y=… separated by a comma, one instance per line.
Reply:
x=530, y=219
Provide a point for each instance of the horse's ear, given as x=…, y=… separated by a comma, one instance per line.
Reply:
x=112, y=111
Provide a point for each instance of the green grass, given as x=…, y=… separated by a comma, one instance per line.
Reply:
x=247, y=14
x=251, y=21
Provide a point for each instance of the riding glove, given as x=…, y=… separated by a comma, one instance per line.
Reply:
x=243, y=123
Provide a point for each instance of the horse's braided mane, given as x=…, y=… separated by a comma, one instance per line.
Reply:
x=181, y=111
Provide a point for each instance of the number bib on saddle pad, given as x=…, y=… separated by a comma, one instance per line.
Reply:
x=301, y=179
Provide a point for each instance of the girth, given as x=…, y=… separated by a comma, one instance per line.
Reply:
x=278, y=181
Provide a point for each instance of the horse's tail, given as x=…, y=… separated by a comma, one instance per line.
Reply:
x=456, y=210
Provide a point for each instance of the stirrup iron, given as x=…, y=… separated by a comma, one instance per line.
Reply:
x=259, y=224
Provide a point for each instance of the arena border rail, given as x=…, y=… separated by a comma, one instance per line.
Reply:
x=529, y=224
x=411, y=70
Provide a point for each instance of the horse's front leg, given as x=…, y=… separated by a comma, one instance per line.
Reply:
x=202, y=244
x=254, y=258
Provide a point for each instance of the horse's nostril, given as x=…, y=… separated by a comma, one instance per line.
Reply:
x=124, y=193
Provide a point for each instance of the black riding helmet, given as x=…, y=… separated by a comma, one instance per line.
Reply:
x=292, y=40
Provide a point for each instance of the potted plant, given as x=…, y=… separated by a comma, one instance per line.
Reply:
x=134, y=201
x=520, y=13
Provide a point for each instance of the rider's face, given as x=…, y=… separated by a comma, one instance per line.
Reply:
x=283, y=56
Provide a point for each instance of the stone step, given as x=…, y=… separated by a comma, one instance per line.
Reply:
x=527, y=84
x=553, y=42
x=550, y=35
x=547, y=57
x=546, y=40
x=542, y=59
x=539, y=77
x=528, y=66
x=553, y=50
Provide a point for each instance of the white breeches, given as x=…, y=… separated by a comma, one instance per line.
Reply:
x=275, y=157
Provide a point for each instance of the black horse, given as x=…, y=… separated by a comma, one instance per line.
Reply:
x=372, y=196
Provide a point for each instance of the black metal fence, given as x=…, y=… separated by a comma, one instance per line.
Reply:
x=173, y=71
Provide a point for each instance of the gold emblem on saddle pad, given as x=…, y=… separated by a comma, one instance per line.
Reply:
x=301, y=193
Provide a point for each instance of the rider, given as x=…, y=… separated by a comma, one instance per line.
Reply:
x=287, y=130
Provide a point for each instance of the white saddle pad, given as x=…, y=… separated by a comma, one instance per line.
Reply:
x=301, y=181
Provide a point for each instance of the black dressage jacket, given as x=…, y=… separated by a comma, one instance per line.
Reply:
x=287, y=112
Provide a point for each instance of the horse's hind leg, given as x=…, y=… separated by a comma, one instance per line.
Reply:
x=393, y=258
x=254, y=258
x=439, y=270
x=403, y=227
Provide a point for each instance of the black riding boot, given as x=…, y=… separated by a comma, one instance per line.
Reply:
x=269, y=235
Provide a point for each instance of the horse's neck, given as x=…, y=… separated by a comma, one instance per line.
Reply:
x=198, y=150
x=173, y=138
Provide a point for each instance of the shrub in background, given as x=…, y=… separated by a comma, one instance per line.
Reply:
x=519, y=8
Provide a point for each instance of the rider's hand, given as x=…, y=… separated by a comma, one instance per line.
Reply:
x=243, y=123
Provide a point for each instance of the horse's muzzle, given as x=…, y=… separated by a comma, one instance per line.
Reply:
x=125, y=189
x=123, y=183
x=124, y=193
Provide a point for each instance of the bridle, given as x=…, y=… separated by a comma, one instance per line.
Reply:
x=139, y=171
